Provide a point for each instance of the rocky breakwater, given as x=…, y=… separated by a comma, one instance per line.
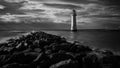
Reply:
x=42, y=50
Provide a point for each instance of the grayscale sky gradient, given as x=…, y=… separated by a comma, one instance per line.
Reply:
x=90, y=13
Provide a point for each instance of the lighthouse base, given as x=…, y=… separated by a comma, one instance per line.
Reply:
x=73, y=29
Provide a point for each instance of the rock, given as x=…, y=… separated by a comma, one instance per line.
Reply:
x=42, y=50
x=80, y=48
x=4, y=59
x=79, y=58
x=107, y=53
x=12, y=65
x=111, y=61
x=48, y=52
x=44, y=64
x=16, y=65
x=66, y=64
x=40, y=57
x=63, y=46
x=91, y=61
x=37, y=50
x=23, y=58
x=57, y=57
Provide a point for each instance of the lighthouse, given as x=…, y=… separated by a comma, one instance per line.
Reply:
x=73, y=21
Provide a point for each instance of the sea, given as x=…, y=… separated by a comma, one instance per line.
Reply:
x=102, y=39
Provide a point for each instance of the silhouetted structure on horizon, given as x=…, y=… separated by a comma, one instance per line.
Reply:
x=73, y=21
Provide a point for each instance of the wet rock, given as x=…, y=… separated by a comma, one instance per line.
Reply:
x=57, y=57
x=44, y=64
x=12, y=65
x=57, y=47
x=40, y=57
x=79, y=58
x=23, y=58
x=80, y=48
x=91, y=61
x=4, y=59
x=37, y=50
x=107, y=53
x=48, y=52
x=16, y=65
x=66, y=64
x=111, y=61
x=3, y=52
x=42, y=50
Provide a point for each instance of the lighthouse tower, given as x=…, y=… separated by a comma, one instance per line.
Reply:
x=73, y=21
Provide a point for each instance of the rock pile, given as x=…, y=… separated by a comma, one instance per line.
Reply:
x=42, y=50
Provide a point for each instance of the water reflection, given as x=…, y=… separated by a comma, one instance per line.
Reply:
x=72, y=35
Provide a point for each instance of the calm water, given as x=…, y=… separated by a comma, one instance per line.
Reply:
x=100, y=39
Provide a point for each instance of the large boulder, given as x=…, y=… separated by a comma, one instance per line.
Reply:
x=111, y=61
x=66, y=64
x=80, y=48
x=23, y=58
x=91, y=61
x=57, y=57
x=4, y=59
x=14, y=65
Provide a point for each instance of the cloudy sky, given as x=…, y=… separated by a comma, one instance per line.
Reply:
x=90, y=13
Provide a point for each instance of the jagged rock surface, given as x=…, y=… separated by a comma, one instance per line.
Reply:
x=42, y=50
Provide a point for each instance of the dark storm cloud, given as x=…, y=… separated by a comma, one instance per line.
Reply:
x=106, y=2
x=34, y=11
x=76, y=1
x=63, y=6
x=10, y=7
x=110, y=2
x=114, y=5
